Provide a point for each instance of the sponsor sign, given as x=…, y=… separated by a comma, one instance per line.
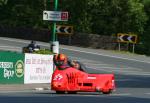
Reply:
x=38, y=68
x=11, y=67
x=55, y=15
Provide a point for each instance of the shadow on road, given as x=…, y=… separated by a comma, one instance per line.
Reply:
x=128, y=81
x=71, y=99
x=132, y=81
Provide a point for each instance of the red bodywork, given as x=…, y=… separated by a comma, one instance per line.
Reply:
x=73, y=80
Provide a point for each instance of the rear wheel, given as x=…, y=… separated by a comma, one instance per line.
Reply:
x=72, y=92
x=107, y=92
x=60, y=92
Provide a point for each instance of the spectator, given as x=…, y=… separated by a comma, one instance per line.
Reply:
x=33, y=47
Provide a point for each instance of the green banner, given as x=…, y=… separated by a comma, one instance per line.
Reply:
x=11, y=68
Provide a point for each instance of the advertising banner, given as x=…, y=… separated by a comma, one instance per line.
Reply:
x=11, y=68
x=38, y=68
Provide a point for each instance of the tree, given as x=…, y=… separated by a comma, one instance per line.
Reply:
x=144, y=46
x=78, y=14
x=26, y=13
x=117, y=16
x=3, y=2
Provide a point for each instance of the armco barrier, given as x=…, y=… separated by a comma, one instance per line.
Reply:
x=11, y=68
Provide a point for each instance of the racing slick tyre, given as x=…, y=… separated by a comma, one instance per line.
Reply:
x=72, y=92
x=107, y=92
x=60, y=92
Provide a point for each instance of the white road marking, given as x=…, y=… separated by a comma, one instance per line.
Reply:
x=123, y=72
x=121, y=94
x=113, y=67
x=107, y=55
x=15, y=40
x=133, y=72
x=78, y=94
x=122, y=80
x=10, y=47
x=25, y=41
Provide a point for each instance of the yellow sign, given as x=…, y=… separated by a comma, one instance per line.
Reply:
x=62, y=29
x=127, y=38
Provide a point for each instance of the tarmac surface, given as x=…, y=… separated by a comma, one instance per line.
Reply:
x=132, y=69
x=23, y=87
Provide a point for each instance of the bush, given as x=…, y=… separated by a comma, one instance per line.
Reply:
x=43, y=51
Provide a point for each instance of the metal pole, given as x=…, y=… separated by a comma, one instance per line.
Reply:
x=119, y=46
x=127, y=46
x=55, y=43
x=69, y=41
x=54, y=24
x=133, y=48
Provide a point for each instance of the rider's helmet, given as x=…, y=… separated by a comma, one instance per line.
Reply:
x=33, y=42
x=60, y=60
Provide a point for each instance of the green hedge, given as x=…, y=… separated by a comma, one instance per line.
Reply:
x=43, y=51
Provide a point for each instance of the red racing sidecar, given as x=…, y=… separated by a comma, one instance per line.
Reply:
x=72, y=80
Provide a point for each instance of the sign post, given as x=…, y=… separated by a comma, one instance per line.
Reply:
x=54, y=37
x=55, y=16
x=65, y=30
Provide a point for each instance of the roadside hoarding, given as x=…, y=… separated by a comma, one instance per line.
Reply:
x=38, y=68
x=11, y=68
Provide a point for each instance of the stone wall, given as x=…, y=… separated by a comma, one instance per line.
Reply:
x=91, y=40
x=78, y=39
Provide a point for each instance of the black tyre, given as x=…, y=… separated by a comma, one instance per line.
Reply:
x=60, y=92
x=108, y=92
x=72, y=92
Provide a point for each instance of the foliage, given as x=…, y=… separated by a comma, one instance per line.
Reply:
x=144, y=47
x=25, y=13
x=103, y=17
x=3, y=2
x=43, y=51
x=106, y=17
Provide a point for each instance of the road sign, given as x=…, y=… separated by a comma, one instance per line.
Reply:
x=55, y=16
x=62, y=29
x=127, y=38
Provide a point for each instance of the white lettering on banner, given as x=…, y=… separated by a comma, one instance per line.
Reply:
x=37, y=61
x=38, y=68
x=28, y=61
x=6, y=64
x=39, y=77
x=8, y=73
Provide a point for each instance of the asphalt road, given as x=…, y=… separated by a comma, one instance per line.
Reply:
x=132, y=76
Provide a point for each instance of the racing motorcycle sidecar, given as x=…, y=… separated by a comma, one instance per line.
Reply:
x=71, y=80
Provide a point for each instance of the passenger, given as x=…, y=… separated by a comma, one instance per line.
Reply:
x=62, y=62
x=76, y=64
